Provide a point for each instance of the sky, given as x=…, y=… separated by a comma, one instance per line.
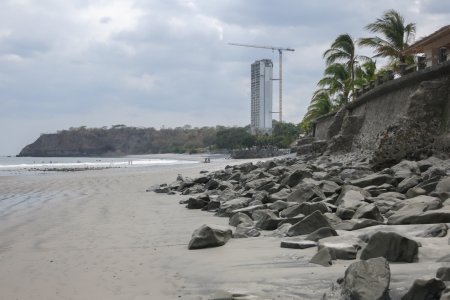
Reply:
x=149, y=63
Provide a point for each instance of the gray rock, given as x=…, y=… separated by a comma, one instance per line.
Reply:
x=245, y=232
x=296, y=176
x=368, y=211
x=429, y=162
x=340, y=250
x=321, y=233
x=372, y=179
x=392, y=246
x=355, y=224
x=278, y=205
x=196, y=203
x=304, y=208
x=443, y=185
x=329, y=187
x=297, y=244
x=445, y=258
x=227, y=207
x=349, y=200
x=443, y=273
x=415, y=191
x=209, y=236
x=249, y=209
x=367, y=280
x=258, y=184
x=414, y=207
x=428, y=217
x=323, y=258
x=268, y=221
x=438, y=230
x=405, y=169
x=261, y=196
x=425, y=289
x=282, y=194
x=408, y=183
x=309, y=224
x=305, y=192
x=240, y=218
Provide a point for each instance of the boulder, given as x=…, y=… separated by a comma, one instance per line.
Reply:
x=392, y=246
x=340, y=250
x=196, y=203
x=443, y=185
x=304, y=209
x=296, y=176
x=438, y=230
x=297, y=244
x=350, y=198
x=372, y=179
x=227, y=207
x=323, y=257
x=413, y=207
x=321, y=233
x=355, y=224
x=311, y=223
x=245, y=232
x=282, y=194
x=209, y=236
x=408, y=183
x=268, y=221
x=367, y=280
x=240, y=219
x=443, y=273
x=329, y=187
x=425, y=289
x=278, y=205
x=405, y=169
x=305, y=192
x=428, y=217
x=368, y=211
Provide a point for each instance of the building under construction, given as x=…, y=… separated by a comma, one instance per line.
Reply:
x=261, y=96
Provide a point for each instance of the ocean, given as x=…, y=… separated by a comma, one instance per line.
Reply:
x=10, y=165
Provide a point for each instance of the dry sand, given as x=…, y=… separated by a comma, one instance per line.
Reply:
x=100, y=235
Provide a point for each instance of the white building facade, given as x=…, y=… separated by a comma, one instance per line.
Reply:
x=261, y=95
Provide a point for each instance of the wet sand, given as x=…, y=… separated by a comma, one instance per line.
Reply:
x=100, y=235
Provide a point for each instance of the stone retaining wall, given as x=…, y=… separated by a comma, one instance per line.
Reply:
x=401, y=118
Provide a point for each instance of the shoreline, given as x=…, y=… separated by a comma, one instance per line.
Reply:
x=99, y=235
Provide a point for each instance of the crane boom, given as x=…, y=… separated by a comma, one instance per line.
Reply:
x=264, y=47
x=280, y=68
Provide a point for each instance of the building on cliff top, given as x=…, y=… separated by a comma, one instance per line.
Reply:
x=433, y=48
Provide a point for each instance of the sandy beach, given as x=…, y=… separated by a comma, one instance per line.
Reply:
x=100, y=235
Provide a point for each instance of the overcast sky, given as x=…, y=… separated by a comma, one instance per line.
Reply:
x=167, y=63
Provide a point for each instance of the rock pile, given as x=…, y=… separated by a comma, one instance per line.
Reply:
x=308, y=201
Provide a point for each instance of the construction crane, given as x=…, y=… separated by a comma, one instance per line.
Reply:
x=280, y=69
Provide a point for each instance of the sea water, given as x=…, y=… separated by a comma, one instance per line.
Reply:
x=28, y=165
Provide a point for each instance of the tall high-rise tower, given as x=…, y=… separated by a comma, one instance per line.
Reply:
x=261, y=95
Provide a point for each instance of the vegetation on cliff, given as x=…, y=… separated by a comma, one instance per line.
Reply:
x=123, y=140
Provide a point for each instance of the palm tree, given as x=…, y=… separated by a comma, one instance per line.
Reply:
x=396, y=36
x=366, y=73
x=338, y=83
x=321, y=104
x=343, y=50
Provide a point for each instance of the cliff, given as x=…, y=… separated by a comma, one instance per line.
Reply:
x=118, y=140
